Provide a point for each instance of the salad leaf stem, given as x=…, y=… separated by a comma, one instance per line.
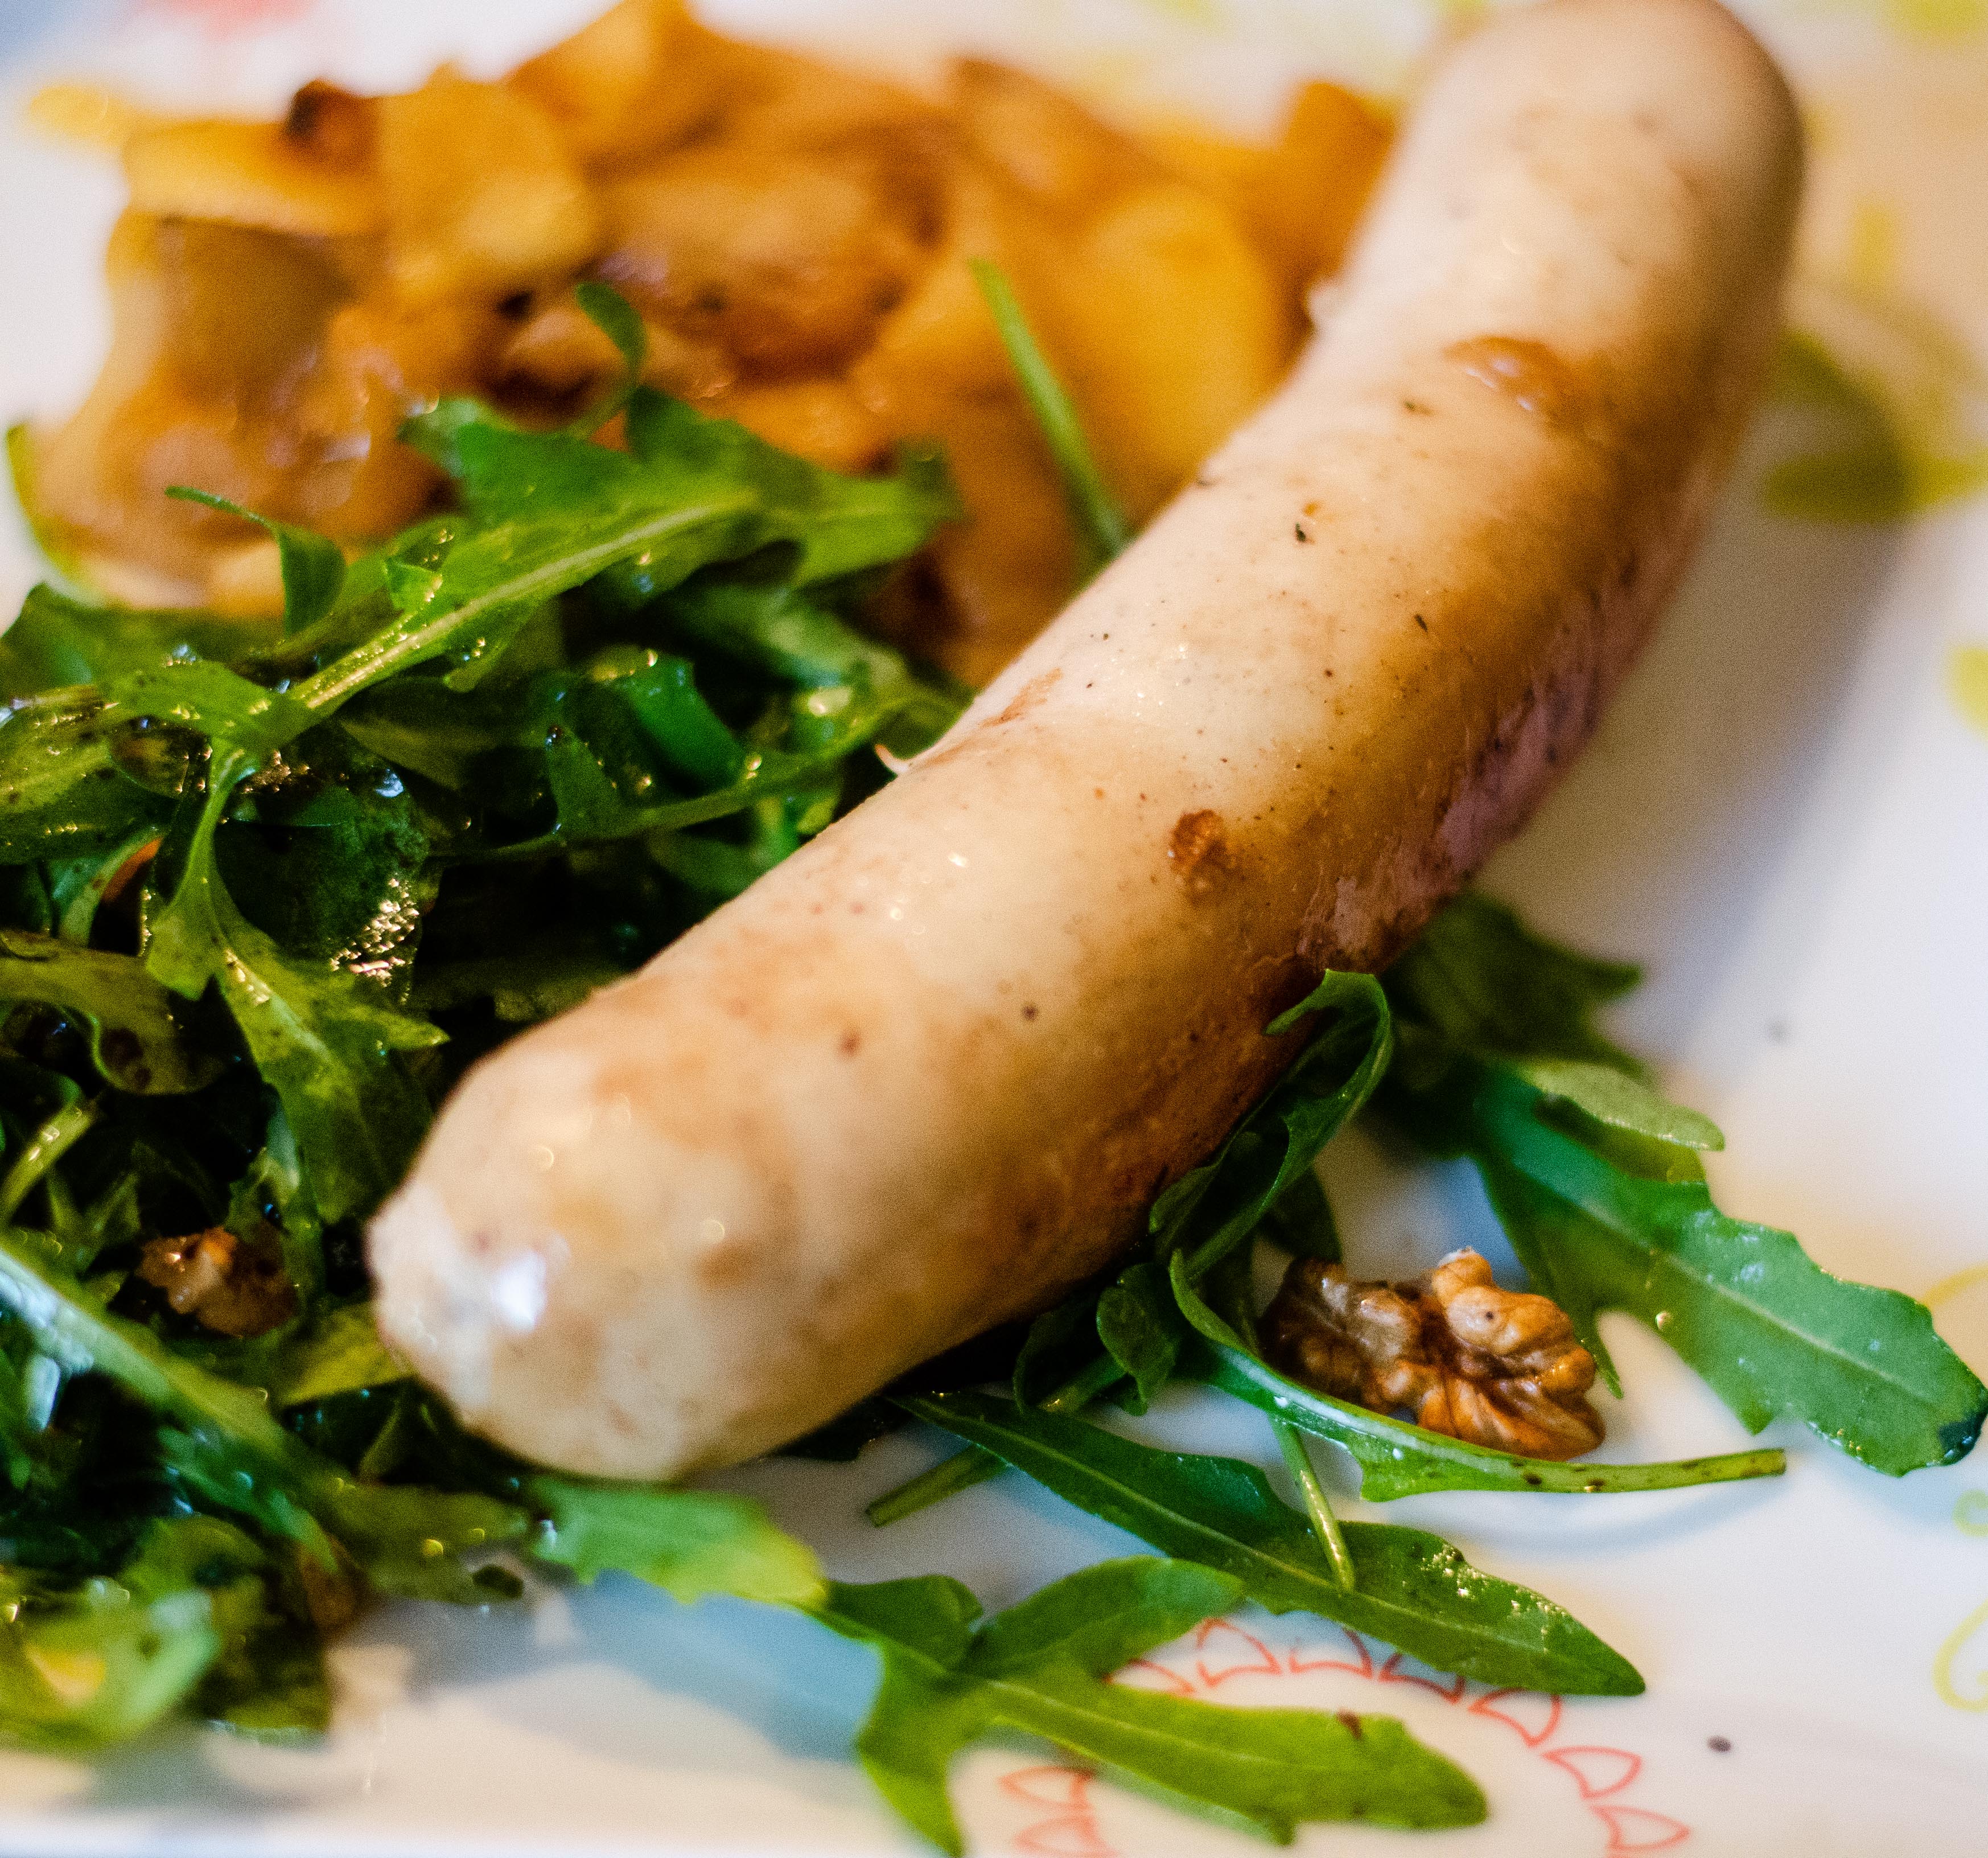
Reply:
x=964, y=1469
x=1297, y=1461
x=1318, y=1506
x=43, y=1150
x=1399, y=1459
x=1102, y=530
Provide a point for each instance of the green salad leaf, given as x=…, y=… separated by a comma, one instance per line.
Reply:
x=1211, y=1210
x=1411, y=1588
x=1040, y=1667
x=1484, y=981
x=82, y=1666
x=137, y=1037
x=313, y=566
x=1595, y=1178
x=689, y=1543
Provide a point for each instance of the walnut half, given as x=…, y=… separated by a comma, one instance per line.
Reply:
x=1499, y=1368
x=233, y=1288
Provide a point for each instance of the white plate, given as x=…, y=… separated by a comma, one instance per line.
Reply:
x=1785, y=814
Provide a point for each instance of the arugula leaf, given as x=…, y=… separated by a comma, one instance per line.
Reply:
x=617, y=319
x=1481, y=978
x=323, y=1039
x=1040, y=1667
x=1210, y=1211
x=69, y=782
x=136, y=1036
x=1411, y=1588
x=342, y=1352
x=522, y=989
x=1537, y=1225
x=223, y=1444
x=1140, y=1330
x=92, y=1664
x=233, y=712
x=334, y=873
x=689, y=1543
x=1213, y=1208
x=410, y=1541
x=1770, y=1331
x=552, y=511
x=58, y=641
x=838, y=526
x=1594, y=1179
x=1301, y=1222
x=268, y=1678
x=313, y=566
x=1617, y=1101
x=788, y=633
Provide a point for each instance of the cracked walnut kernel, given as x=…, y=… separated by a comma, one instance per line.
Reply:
x=232, y=1288
x=1498, y=1368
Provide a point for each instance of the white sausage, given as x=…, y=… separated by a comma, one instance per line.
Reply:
x=928, y=1072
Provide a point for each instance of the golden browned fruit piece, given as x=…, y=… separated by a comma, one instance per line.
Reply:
x=1499, y=1368
x=796, y=239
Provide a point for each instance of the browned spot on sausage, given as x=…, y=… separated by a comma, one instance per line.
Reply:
x=1198, y=849
x=852, y=1043
x=1030, y=695
x=729, y=1259
x=1528, y=372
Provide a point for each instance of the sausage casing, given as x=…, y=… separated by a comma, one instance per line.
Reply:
x=929, y=1072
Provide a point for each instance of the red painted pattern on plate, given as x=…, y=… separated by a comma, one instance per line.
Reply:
x=1069, y=1827
x=228, y=19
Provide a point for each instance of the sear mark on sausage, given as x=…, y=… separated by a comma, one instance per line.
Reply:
x=1198, y=849
x=1031, y=694
x=1530, y=373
